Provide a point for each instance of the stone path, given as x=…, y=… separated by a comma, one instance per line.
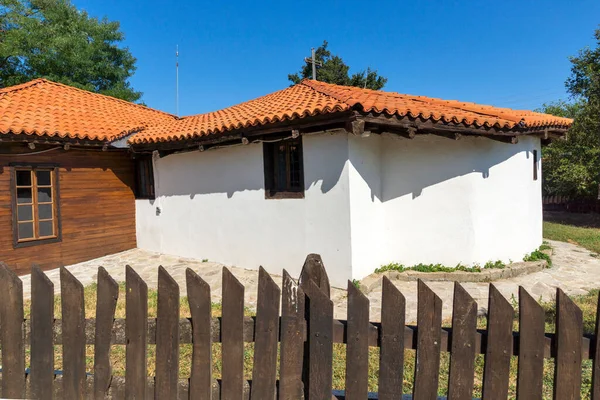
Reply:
x=575, y=270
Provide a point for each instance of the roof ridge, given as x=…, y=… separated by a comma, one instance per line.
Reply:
x=107, y=97
x=310, y=83
x=22, y=86
x=37, y=81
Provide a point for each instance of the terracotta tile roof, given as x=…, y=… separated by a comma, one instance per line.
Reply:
x=42, y=107
x=310, y=98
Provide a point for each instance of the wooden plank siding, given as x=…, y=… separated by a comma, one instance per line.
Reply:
x=96, y=203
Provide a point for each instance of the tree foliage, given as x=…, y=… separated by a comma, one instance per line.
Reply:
x=53, y=39
x=572, y=166
x=335, y=70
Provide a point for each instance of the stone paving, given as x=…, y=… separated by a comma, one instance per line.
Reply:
x=574, y=269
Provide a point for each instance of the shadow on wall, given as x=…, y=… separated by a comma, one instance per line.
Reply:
x=410, y=166
x=240, y=169
x=406, y=166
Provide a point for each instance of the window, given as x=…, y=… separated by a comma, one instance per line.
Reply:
x=284, y=175
x=144, y=178
x=35, y=211
x=535, y=165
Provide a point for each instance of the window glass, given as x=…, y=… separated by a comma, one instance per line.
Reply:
x=25, y=213
x=25, y=230
x=43, y=178
x=44, y=195
x=24, y=195
x=45, y=211
x=23, y=178
x=46, y=228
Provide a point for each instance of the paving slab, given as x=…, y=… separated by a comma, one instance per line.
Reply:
x=575, y=270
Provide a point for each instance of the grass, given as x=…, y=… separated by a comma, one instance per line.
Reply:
x=587, y=303
x=585, y=236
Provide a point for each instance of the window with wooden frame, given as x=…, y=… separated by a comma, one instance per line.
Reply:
x=36, y=218
x=284, y=169
x=144, y=178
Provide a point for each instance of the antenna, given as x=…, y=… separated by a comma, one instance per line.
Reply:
x=177, y=80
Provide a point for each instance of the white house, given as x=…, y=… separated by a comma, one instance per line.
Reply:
x=361, y=177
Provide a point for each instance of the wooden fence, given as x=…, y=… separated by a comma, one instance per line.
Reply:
x=564, y=203
x=301, y=336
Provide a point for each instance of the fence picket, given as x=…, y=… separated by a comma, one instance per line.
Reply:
x=106, y=304
x=531, y=347
x=429, y=320
x=320, y=342
x=42, y=323
x=462, y=359
x=292, y=340
x=499, y=346
x=357, y=348
x=569, y=332
x=167, y=337
x=232, y=337
x=200, y=308
x=391, y=356
x=73, y=331
x=11, y=334
x=264, y=373
x=136, y=332
x=596, y=357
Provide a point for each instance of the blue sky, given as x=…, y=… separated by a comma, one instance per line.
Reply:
x=501, y=52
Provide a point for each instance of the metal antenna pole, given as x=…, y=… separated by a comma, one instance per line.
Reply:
x=314, y=64
x=177, y=80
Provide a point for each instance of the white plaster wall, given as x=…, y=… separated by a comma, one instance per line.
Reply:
x=368, y=202
x=470, y=201
x=366, y=210
x=213, y=207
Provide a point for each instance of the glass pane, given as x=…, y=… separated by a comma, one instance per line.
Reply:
x=26, y=230
x=280, y=168
x=24, y=213
x=294, y=167
x=23, y=195
x=44, y=195
x=46, y=228
x=43, y=178
x=45, y=211
x=23, y=178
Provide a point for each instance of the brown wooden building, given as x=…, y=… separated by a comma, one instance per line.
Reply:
x=67, y=191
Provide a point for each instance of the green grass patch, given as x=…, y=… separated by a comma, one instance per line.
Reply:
x=587, y=237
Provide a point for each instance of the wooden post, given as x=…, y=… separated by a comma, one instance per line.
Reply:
x=106, y=304
x=314, y=282
x=11, y=334
x=292, y=340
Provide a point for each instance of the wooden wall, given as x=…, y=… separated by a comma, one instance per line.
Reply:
x=97, y=207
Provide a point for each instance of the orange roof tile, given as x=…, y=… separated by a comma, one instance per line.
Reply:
x=310, y=98
x=42, y=107
x=46, y=108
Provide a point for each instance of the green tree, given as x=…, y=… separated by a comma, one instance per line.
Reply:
x=334, y=70
x=53, y=39
x=572, y=166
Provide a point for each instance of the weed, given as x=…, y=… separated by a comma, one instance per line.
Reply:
x=440, y=268
x=538, y=255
